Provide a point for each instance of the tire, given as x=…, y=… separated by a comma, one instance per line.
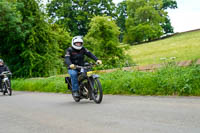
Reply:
x=4, y=89
x=97, y=92
x=7, y=88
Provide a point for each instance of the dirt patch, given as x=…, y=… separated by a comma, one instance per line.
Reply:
x=151, y=67
x=184, y=63
x=198, y=62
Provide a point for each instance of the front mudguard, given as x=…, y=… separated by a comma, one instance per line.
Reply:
x=94, y=76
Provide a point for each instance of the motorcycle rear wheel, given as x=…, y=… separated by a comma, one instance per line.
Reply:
x=7, y=89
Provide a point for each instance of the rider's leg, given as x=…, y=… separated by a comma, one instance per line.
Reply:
x=74, y=79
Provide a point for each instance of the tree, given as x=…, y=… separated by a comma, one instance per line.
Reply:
x=33, y=47
x=10, y=31
x=172, y=4
x=75, y=15
x=168, y=4
x=121, y=12
x=63, y=38
x=144, y=20
x=102, y=39
x=41, y=49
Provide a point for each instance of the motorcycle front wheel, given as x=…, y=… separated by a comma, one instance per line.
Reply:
x=97, y=92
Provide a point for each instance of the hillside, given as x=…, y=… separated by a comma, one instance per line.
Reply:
x=183, y=46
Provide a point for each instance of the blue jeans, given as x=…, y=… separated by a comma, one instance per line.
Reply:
x=74, y=79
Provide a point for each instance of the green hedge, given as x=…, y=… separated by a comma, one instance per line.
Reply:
x=165, y=81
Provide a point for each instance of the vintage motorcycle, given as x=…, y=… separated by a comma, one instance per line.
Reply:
x=5, y=87
x=90, y=86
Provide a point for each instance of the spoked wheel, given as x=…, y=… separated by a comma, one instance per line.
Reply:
x=97, y=92
x=7, y=88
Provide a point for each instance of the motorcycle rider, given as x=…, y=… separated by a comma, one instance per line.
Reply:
x=75, y=56
x=2, y=69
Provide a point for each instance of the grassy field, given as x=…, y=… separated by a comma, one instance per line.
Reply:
x=183, y=46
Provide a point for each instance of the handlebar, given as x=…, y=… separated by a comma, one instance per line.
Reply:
x=85, y=67
x=5, y=73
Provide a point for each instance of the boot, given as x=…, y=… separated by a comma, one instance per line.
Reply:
x=75, y=94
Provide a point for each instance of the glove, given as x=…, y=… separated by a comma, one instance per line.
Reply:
x=72, y=66
x=99, y=62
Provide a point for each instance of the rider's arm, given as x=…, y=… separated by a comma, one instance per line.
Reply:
x=67, y=57
x=6, y=69
x=89, y=54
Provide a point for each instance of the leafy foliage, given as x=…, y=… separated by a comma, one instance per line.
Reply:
x=144, y=20
x=11, y=32
x=121, y=11
x=172, y=4
x=63, y=38
x=102, y=39
x=75, y=15
x=33, y=48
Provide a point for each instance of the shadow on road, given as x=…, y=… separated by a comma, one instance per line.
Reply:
x=73, y=103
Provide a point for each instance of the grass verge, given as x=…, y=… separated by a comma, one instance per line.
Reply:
x=171, y=80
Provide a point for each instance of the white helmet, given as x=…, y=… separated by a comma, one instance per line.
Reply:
x=1, y=61
x=75, y=40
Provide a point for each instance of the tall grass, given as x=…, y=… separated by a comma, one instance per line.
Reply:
x=170, y=80
x=183, y=46
x=165, y=81
x=51, y=84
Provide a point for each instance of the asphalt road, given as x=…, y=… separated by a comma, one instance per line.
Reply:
x=26, y=112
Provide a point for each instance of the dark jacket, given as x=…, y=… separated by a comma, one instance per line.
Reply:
x=3, y=68
x=76, y=57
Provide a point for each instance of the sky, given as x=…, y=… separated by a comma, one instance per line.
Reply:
x=186, y=16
